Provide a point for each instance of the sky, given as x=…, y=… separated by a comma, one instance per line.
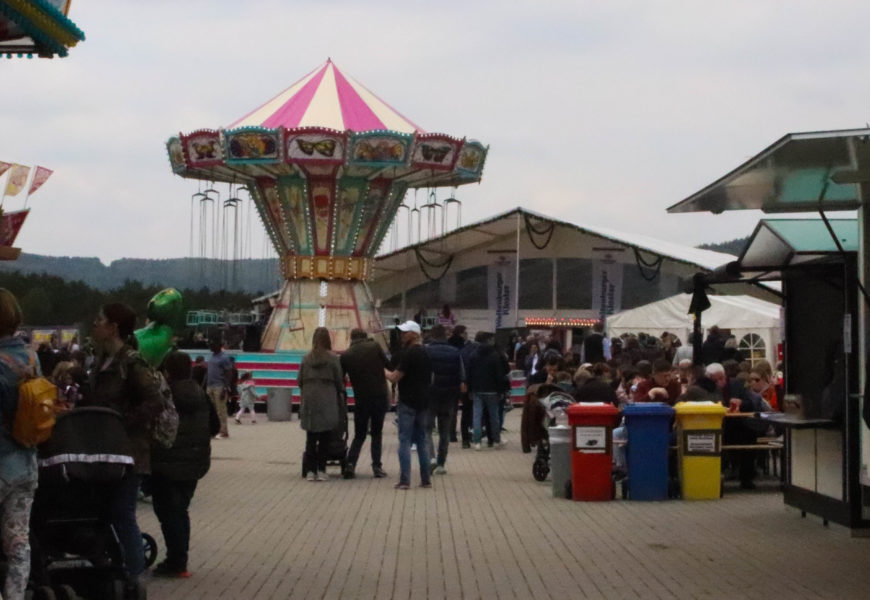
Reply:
x=597, y=113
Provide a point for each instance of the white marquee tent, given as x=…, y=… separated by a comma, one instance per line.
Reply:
x=755, y=323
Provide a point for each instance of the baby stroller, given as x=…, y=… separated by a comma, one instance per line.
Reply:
x=74, y=547
x=336, y=448
x=540, y=410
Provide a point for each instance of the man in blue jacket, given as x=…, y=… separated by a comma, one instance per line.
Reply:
x=448, y=377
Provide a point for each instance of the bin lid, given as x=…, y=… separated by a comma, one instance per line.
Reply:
x=648, y=408
x=700, y=408
x=591, y=408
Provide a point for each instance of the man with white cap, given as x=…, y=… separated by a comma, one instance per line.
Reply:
x=414, y=377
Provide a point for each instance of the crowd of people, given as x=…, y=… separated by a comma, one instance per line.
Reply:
x=443, y=385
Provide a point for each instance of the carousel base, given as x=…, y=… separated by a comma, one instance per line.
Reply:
x=306, y=304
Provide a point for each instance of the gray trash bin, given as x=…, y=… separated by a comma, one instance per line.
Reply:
x=560, y=459
x=279, y=404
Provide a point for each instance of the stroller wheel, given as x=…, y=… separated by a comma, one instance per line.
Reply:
x=65, y=592
x=44, y=592
x=540, y=469
x=150, y=547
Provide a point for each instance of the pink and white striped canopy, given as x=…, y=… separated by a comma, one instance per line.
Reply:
x=326, y=97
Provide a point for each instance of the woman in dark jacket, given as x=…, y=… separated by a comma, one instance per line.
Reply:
x=123, y=381
x=176, y=470
x=322, y=384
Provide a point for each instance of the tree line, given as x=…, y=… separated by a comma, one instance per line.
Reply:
x=48, y=300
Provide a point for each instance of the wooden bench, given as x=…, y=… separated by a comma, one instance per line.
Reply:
x=772, y=446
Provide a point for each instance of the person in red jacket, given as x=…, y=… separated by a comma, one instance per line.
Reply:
x=663, y=386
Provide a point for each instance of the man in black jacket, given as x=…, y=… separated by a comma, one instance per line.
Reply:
x=364, y=363
x=487, y=381
x=447, y=381
x=176, y=470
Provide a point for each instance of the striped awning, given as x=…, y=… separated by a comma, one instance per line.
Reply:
x=327, y=97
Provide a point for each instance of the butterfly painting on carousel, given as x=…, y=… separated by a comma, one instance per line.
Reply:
x=315, y=148
x=435, y=152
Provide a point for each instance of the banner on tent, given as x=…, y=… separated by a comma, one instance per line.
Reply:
x=501, y=284
x=606, y=281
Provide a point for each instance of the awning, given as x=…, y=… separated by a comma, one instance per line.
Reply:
x=801, y=172
x=778, y=244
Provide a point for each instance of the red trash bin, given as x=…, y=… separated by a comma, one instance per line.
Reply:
x=592, y=450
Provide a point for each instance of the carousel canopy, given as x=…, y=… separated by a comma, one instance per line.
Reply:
x=326, y=97
x=38, y=27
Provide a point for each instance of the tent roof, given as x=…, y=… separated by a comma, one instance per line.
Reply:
x=475, y=234
x=327, y=97
x=38, y=27
x=730, y=312
x=800, y=172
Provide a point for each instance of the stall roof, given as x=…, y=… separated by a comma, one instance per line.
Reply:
x=470, y=236
x=800, y=172
x=673, y=313
x=777, y=244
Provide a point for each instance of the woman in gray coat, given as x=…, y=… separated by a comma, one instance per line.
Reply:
x=322, y=385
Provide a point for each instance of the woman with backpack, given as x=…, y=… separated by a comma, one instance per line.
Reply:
x=17, y=463
x=121, y=380
x=322, y=383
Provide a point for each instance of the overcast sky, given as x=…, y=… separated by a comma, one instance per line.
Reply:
x=599, y=113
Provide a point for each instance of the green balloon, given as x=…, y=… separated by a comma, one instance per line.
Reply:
x=166, y=307
x=155, y=342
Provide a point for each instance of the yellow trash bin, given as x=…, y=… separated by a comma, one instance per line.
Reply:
x=699, y=443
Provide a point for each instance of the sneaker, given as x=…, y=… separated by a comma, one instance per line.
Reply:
x=310, y=476
x=221, y=436
x=426, y=484
x=322, y=476
x=164, y=570
x=253, y=422
x=476, y=447
x=378, y=473
x=466, y=445
x=238, y=421
x=402, y=486
x=440, y=470
x=432, y=466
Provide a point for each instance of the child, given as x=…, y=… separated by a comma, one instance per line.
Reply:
x=247, y=396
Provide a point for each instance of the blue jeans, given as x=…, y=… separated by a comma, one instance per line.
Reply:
x=124, y=521
x=412, y=429
x=491, y=400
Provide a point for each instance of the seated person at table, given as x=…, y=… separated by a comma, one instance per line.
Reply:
x=592, y=388
x=738, y=399
x=661, y=387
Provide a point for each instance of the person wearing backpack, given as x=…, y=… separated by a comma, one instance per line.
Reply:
x=17, y=463
x=121, y=380
x=176, y=470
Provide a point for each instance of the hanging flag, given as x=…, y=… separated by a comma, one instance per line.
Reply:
x=10, y=225
x=41, y=176
x=17, y=179
x=5, y=166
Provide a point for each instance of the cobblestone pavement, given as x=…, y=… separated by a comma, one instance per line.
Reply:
x=487, y=529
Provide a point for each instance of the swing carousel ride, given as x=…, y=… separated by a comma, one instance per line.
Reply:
x=327, y=164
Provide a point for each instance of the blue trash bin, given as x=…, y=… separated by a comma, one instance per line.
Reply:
x=649, y=436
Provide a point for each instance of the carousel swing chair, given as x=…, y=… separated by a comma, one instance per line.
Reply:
x=544, y=407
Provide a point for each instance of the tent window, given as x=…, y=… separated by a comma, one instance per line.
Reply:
x=471, y=288
x=574, y=276
x=536, y=283
x=425, y=295
x=752, y=347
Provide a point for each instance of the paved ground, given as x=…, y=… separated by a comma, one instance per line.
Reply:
x=486, y=530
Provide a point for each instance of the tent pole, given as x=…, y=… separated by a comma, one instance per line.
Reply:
x=517, y=274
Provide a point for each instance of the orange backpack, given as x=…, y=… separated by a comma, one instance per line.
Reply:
x=34, y=418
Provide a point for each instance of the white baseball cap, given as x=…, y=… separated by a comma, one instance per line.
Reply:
x=410, y=326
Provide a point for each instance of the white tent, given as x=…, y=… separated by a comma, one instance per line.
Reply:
x=755, y=323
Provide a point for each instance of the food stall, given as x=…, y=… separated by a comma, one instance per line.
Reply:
x=822, y=264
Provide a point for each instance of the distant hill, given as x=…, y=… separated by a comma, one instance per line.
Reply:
x=734, y=247
x=251, y=275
